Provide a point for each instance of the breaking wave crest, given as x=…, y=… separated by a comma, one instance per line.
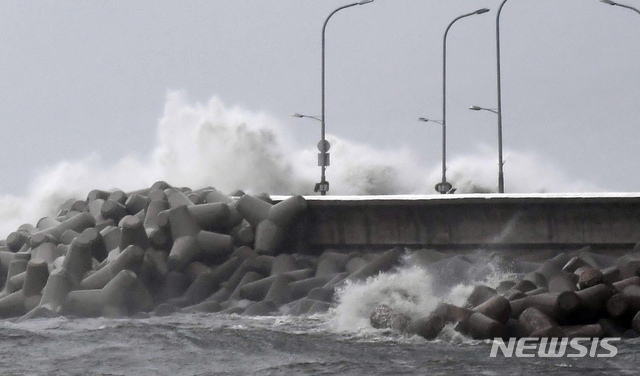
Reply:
x=229, y=148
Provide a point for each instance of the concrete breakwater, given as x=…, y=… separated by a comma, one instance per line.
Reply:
x=607, y=221
x=162, y=249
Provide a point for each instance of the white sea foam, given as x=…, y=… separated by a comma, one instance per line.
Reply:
x=410, y=290
x=407, y=291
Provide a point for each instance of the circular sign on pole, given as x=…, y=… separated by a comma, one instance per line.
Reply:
x=324, y=146
x=443, y=187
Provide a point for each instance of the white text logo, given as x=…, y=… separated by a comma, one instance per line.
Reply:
x=555, y=347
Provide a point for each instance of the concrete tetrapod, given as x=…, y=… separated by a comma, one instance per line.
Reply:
x=207, y=283
x=158, y=236
x=479, y=326
x=20, y=302
x=54, y=295
x=77, y=223
x=383, y=317
x=270, y=221
x=430, y=326
x=17, y=265
x=558, y=306
x=78, y=260
x=536, y=324
x=93, y=303
x=131, y=258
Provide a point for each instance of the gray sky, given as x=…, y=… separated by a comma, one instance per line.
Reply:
x=78, y=77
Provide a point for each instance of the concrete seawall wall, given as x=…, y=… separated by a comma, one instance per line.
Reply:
x=465, y=221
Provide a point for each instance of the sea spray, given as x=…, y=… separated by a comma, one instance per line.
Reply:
x=406, y=290
x=410, y=290
x=488, y=269
x=525, y=172
x=229, y=148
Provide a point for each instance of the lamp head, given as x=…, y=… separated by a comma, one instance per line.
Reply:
x=608, y=2
x=483, y=10
x=297, y=115
x=365, y=2
x=475, y=108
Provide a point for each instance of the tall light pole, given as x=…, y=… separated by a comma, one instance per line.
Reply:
x=500, y=162
x=442, y=187
x=620, y=5
x=323, y=145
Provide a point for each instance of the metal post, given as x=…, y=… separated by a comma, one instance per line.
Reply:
x=500, y=160
x=444, y=93
x=323, y=187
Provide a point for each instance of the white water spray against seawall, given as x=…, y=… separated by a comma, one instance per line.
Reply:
x=231, y=148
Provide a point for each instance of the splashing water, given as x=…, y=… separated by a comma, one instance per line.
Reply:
x=408, y=291
x=489, y=269
x=229, y=148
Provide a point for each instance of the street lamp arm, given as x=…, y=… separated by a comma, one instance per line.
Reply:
x=478, y=108
x=479, y=11
x=298, y=115
x=324, y=29
x=629, y=7
x=425, y=120
x=609, y=2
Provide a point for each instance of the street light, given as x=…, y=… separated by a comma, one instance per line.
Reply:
x=620, y=5
x=499, y=84
x=430, y=120
x=478, y=108
x=306, y=116
x=444, y=184
x=500, y=161
x=323, y=145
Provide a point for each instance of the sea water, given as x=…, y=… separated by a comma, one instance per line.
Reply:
x=339, y=342
x=217, y=344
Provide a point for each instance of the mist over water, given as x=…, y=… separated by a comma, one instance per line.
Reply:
x=229, y=148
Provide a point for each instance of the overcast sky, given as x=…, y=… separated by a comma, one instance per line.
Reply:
x=82, y=77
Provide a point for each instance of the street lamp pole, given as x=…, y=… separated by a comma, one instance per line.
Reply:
x=501, y=162
x=323, y=146
x=620, y=5
x=444, y=95
x=499, y=82
x=444, y=186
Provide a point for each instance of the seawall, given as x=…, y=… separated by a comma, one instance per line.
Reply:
x=512, y=221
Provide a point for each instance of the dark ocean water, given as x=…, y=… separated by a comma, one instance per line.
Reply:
x=216, y=344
